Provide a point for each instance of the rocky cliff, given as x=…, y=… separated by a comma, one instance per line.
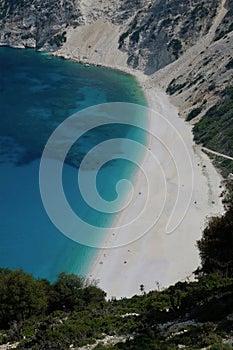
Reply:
x=151, y=33
x=160, y=33
x=36, y=23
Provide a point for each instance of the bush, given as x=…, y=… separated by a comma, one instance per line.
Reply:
x=176, y=46
x=221, y=347
x=58, y=39
x=193, y=114
x=211, y=87
x=230, y=64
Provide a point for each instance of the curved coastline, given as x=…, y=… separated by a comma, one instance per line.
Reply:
x=158, y=259
x=58, y=76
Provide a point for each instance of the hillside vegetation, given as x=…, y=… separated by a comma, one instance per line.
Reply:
x=73, y=313
x=215, y=130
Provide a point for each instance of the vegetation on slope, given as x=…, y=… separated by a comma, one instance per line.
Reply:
x=162, y=31
x=69, y=312
x=36, y=23
x=227, y=24
x=215, y=129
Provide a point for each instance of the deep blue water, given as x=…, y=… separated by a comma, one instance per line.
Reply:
x=37, y=93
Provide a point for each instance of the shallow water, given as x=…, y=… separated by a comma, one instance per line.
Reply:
x=37, y=93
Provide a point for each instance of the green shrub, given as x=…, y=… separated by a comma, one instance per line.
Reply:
x=230, y=64
x=173, y=88
x=221, y=347
x=176, y=46
x=211, y=339
x=58, y=39
x=193, y=114
x=211, y=87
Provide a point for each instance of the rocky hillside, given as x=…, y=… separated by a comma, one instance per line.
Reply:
x=200, y=82
x=198, y=78
x=152, y=33
x=35, y=23
x=160, y=33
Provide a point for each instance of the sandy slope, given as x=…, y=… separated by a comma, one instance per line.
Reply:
x=95, y=43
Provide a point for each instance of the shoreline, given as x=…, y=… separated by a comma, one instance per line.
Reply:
x=158, y=260
x=121, y=271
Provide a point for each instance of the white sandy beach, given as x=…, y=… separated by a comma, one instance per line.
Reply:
x=157, y=258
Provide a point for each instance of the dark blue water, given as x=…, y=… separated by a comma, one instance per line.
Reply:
x=37, y=93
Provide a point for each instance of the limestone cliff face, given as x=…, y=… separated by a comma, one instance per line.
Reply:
x=197, y=80
x=152, y=33
x=36, y=23
x=160, y=33
x=43, y=24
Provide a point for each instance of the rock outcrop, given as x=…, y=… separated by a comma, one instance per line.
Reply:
x=197, y=79
x=36, y=23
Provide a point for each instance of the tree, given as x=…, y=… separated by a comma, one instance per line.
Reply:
x=216, y=245
x=93, y=295
x=66, y=292
x=21, y=296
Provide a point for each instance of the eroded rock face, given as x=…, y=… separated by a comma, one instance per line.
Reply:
x=159, y=34
x=152, y=33
x=199, y=78
x=36, y=23
x=226, y=25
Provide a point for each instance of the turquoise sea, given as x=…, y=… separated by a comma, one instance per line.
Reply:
x=37, y=93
